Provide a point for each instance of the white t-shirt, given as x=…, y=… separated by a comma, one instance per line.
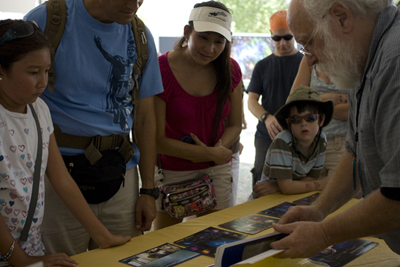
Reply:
x=18, y=150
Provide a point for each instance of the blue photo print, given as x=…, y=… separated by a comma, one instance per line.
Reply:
x=278, y=210
x=206, y=241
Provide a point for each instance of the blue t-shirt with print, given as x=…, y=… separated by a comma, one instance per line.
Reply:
x=93, y=71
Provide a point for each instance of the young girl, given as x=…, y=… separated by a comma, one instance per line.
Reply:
x=198, y=75
x=24, y=64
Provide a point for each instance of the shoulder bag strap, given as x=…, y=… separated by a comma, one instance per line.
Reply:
x=139, y=32
x=55, y=24
x=36, y=180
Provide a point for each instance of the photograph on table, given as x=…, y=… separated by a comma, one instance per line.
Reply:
x=207, y=240
x=306, y=201
x=250, y=224
x=164, y=255
x=278, y=210
x=343, y=253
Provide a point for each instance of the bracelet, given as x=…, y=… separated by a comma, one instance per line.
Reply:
x=10, y=251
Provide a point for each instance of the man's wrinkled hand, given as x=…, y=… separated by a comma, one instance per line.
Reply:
x=301, y=213
x=305, y=239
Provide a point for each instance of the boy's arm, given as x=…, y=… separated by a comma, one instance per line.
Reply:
x=264, y=187
x=307, y=184
x=69, y=192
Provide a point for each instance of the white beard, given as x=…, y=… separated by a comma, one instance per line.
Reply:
x=341, y=62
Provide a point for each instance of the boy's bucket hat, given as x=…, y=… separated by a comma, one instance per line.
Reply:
x=305, y=94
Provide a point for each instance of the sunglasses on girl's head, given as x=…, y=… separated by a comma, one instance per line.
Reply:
x=297, y=119
x=277, y=38
x=20, y=30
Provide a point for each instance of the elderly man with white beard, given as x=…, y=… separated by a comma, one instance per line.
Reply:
x=357, y=43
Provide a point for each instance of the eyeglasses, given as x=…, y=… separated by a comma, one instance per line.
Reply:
x=23, y=29
x=277, y=38
x=308, y=118
x=303, y=50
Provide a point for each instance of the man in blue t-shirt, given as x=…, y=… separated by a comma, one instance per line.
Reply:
x=272, y=79
x=92, y=97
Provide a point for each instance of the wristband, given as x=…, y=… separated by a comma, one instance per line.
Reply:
x=10, y=251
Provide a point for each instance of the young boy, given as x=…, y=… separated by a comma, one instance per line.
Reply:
x=296, y=156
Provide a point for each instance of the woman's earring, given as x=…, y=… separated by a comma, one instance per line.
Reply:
x=1, y=78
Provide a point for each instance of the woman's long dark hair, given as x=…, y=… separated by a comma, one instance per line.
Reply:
x=222, y=66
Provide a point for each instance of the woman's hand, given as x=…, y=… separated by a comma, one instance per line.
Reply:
x=221, y=153
x=218, y=153
x=336, y=98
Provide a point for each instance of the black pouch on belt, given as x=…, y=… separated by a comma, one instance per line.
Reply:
x=102, y=180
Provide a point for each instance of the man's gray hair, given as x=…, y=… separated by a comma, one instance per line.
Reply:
x=319, y=9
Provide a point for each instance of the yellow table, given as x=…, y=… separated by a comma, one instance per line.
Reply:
x=381, y=255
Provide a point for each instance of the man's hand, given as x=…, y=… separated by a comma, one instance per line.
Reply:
x=301, y=213
x=110, y=240
x=265, y=188
x=272, y=126
x=305, y=239
x=145, y=212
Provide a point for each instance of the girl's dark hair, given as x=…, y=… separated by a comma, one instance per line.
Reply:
x=16, y=49
x=222, y=64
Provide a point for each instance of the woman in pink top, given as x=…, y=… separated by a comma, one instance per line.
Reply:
x=197, y=75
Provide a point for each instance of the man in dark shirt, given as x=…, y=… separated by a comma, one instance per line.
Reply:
x=272, y=79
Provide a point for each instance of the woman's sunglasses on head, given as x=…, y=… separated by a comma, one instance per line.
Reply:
x=308, y=118
x=277, y=38
x=20, y=30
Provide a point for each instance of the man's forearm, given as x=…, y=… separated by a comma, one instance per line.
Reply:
x=145, y=128
x=254, y=106
x=374, y=215
x=339, y=188
x=146, y=140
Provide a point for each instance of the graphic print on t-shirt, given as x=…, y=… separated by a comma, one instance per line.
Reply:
x=119, y=82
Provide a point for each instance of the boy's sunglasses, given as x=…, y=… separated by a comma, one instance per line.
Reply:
x=297, y=119
x=277, y=38
x=23, y=29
